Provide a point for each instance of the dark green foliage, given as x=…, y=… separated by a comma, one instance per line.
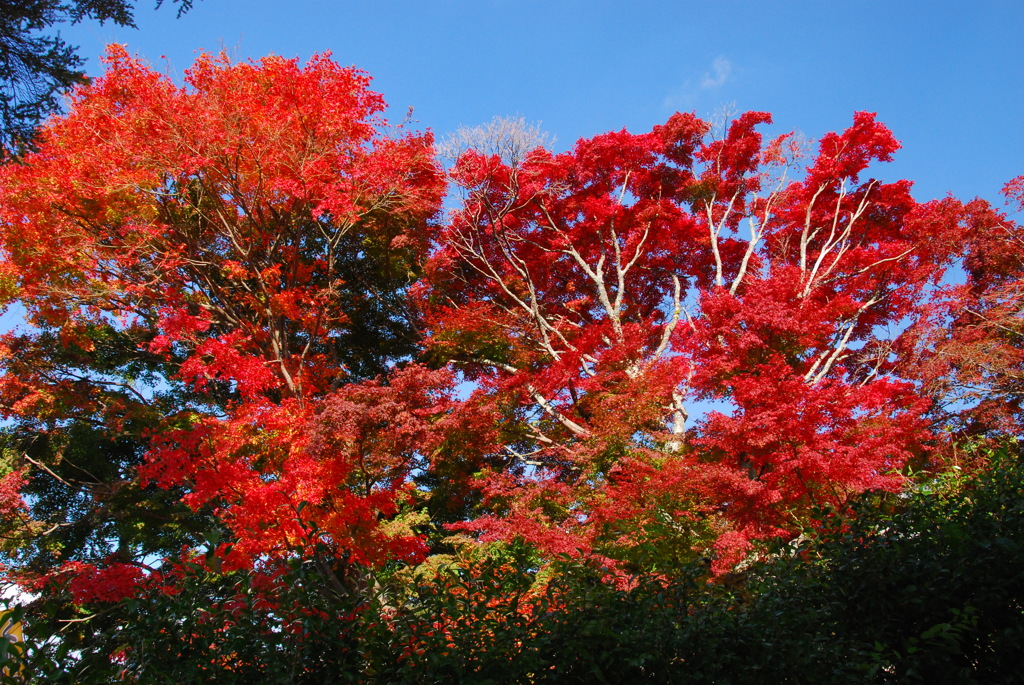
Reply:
x=86, y=500
x=37, y=66
x=928, y=589
x=214, y=628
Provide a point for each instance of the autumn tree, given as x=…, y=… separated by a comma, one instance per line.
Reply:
x=258, y=365
x=206, y=272
x=968, y=354
x=599, y=295
x=509, y=138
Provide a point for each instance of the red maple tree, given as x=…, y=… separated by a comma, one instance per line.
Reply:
x=201, y=265
x=597, y=296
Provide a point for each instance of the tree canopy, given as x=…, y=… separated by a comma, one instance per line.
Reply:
x=266, y=384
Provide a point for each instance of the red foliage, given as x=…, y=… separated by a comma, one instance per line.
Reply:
x=111, y=583
x=1014, y=192
x=216, y=223
x=217, y=209
x=967, y=351
x=10, y=498
x=601, y=295
x=253, y=233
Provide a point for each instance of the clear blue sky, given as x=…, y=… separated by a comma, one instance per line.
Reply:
x=947, y=76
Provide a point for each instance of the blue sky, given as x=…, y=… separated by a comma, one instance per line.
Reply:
x=946, y=76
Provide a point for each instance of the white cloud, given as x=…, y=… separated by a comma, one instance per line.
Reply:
x=690, y=92
x=722, y=68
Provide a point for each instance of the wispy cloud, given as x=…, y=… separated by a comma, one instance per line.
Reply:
x=721, y=68
x=690, y=92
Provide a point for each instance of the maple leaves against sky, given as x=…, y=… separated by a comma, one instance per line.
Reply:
x=212, y=261
x=598, y=293
x=249, y=316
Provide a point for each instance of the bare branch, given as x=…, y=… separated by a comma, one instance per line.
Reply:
x=510, y=138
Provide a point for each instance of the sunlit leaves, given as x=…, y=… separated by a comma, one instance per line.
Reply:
x=608, y=291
